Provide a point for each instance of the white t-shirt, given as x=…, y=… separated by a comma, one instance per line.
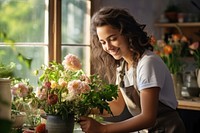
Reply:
x=152, y=72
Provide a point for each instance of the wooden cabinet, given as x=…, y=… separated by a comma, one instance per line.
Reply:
x=190, y=30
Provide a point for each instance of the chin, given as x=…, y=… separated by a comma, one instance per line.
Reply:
x=117, y=57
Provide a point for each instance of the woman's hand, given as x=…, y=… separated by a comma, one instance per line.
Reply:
x=90, y=125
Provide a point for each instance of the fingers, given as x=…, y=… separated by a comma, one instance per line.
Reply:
x=84, y=123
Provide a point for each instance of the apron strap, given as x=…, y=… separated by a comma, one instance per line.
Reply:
x=130, y=94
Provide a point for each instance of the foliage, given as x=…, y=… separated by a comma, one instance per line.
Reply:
x=6, y=71
x=66, y=89
x=9, y=70
x=26, y=14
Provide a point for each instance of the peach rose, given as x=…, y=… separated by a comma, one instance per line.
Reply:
x=71, y=62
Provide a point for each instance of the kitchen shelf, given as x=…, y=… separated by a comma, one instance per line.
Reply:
x=190, y=24
x=189, y=29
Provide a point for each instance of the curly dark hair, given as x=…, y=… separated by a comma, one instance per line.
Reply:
x=120, y=19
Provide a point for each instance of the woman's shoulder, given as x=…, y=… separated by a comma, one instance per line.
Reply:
x=150, y=56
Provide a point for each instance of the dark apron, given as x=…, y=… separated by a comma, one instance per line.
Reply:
x=167, y=121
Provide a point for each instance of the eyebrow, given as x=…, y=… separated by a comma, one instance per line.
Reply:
x=109, y=37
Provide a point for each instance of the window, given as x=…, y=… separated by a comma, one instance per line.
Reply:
x=25, y=33
x=75, y=29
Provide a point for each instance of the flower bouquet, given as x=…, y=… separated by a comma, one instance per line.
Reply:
x=170, y=51
x=65, y=89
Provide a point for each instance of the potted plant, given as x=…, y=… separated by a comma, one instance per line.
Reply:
x=24, y=104
x=171, y=12
x=66, y=93
x=6, y=71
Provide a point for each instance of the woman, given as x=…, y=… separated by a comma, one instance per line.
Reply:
x=146, y=88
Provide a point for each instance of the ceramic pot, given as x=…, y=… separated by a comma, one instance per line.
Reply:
x=5, y=99
x=55, y=124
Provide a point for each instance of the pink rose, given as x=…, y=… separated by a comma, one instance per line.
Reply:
x=23, y=90
x=77, y=87
x=20, y=90
x=71, y=62
x=74, y=87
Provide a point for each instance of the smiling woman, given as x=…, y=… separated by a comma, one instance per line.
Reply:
x=121, y=49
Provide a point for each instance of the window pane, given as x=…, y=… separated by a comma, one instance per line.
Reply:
x=33, y=54
x=23, y=20
x=75, y=22
x=24, y=23
x=83, y=54
x=75, y=30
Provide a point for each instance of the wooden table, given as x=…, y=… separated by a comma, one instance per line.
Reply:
x=189, y=103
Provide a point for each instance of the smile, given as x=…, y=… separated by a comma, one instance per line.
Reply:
x=114, y=52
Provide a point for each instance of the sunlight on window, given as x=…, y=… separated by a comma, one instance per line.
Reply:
x=24, y=33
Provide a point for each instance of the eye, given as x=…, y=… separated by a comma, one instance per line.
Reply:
x=113, y=38
x=102, y=42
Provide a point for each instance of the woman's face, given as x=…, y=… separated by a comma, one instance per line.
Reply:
x=113, y=42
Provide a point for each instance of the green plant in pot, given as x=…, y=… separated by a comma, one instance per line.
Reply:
x=6, y=71
x=24, y=104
